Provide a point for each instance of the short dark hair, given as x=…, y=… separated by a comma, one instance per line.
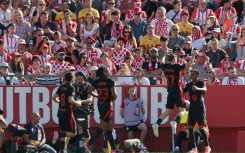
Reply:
x=44, y=13
x=66, y=10
x=68, y=77
x=116, y=12
x=176, y=2
x=80, y=73
x=102, y=73
x=163, y=38
x=231, y=68
x=171, y=57
x=195, y=71
x=1, y=1
x=127, y=58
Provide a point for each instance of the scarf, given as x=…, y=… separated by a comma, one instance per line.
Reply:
x=151, y=65
x=161, y=29
x=116, y=32
x=199, y=34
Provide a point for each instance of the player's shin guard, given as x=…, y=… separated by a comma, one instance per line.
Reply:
x=177, y=119
x=110, y=139
x=95, y=135
x=204, y=135
x=192, y=138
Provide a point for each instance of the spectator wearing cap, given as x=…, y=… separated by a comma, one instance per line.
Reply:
x=161, y=24
x=92, y=53
x=149, y=40
x=123, y=75
x=71, y=69
x=138, y=59
x=188, y=49
x=129, y=35
x=88, y=8
x=110, y=6
x=202, y=65
x=198, y=41
x=7, y=78
x=211, y=23
x=152, y=66
x=137, y=24
x=185, y=27
x=175, y=13
x=83, y=64
x=175, y=38
x=4, y=57
x=48, y=26
x=217, y=34
x=67, y=27
x=61, y=15
x=130, y=14
x=48, y=79
x=92, y=74
x=114, y=27
x=200, y=13
x=45, y=57
x=16, y=66
x=120, y=52
x=58, y=43
x=59, y=65
x=23, y=28
x=89, y=28
x=139, y=78
x=11, y=39
x=163, y=51
x=26, y=56
x=215, y=54
x=70, y=53
x=225, y=9
x=6, y=15
x=106, y=62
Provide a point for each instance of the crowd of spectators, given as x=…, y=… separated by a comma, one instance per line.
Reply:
x=51, y=37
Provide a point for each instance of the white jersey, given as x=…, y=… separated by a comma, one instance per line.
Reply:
x=11, y=43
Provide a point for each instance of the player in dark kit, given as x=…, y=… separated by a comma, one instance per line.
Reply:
x=106, y=95
x=197, y=110
x=172, y=73
x=65, y=97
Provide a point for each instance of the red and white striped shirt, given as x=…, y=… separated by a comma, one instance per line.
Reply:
x=220, y=12
x=137, y=63
x=56, y=9
x=235, y=29
x=119, y=56
x=241, y=65
x=130, y=15
x=92, y=54
x=45, y=59
x=59, y=67
x=5, y=58
x=162, y=29
x=111, y=67
x=65, y=28
x=11, y=43
x=200, y=16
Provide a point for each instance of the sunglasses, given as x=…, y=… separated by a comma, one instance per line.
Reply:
x=136, y=13
x=61, y=54
x=111, y=3
x=4, y=67
x=89, y=43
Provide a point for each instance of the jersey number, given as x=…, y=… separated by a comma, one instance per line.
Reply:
x=62, y=99
x=170, y=80
x=103, y=93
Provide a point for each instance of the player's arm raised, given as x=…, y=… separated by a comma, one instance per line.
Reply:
x=191, y=61
x=91, y=91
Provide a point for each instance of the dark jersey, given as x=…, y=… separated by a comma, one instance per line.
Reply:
x=172, y=73
x=196, y=97
x=103, y=87
x=81, y=92
x=65, y=108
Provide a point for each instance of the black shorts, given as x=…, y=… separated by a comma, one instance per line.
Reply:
x=198, y=117
x=133, y=127
x=67, y=124
x=105, y=115
x=82, y=114
x=175, y=97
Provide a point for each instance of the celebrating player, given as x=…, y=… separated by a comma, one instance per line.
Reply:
x=172, y=72
x=197, y=111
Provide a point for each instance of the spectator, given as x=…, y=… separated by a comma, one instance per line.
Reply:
x=215, y=54
x=35, y=135
x=223, y=67
x=26, y=13
x=114, y=26
x=128, y=60
x=59, y=65
x=89, y=28
x=16, y=66
x=232, y=79
x=129, y=35
x=175, y=14
x=212, y=79
x=67, y=27
x=177, y=50
x=23, y=28
x=37, y=41
x=48, y=26
x=241, y=46
x=225, y=9
x=185, y=27
x=198, y=41
x=106, y=62
x=138, y=25
x=200, y=13
x=48, y=80
x=163, y=51
x=36, y=11
x=150, y=8
x=161, y=24
x=26, y=57
x=130, y=13
x=217, y=34
x=92, y=53
x=104, y=14
x=188, y=46
x=123, y=75
x=6, y=15
x=83, y=65
x=92, y=74
x=211, y=24
x=58, y=43
x=34, y=69
x=149, y=40
x=190, y=4
x=88, y=8
x=3, y=126
x=7, y=78
x=45, y=57
x=61, y=15
x=235, y=29
x=132, y=110
x=138, y=60
x=10, y=39
x=139, y=78
x=71, y=56
x=152, y=66
x=120, y=52
x=4, y=57
x=175, y=38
